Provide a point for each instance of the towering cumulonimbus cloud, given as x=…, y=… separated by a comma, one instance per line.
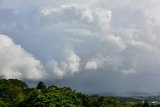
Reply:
x=118, y=41
x=93, y=22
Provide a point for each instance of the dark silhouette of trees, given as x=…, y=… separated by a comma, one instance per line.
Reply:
x=41, y=86
x=145, y=104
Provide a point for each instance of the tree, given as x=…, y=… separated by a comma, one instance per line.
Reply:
x=145, y=104
x=52, y=87
x=41, y=86
x=13, y=83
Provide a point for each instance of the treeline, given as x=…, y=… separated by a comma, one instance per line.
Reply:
x=16, y=93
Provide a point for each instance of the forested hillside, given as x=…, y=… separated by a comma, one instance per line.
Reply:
x=16, y=93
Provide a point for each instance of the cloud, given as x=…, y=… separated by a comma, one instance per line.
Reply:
x=117, y=40
x=78, y=14
x=91, y=65
x=17, y=63
x=73, y=12
x=131, y=71
x=69, y=66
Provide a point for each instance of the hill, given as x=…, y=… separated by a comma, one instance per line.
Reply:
x=16, y=93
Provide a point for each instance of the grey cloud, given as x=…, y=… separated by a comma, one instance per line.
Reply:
x=117, y=40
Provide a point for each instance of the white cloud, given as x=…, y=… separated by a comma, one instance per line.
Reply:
x=130, y=71
x=68, y=14
x=140, y=45
x=91, y=65
x=69, y=66
x=115, y=42
x=82, y=16
x=103, y=18
x=17, y=63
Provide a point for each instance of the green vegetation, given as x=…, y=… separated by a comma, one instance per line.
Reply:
x=15, y=93
x=41, y=86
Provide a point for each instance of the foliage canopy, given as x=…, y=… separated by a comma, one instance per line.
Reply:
x=16, y=93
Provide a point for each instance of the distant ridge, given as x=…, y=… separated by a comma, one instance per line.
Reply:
x=126, y=94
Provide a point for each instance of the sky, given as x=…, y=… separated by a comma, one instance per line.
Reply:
x=92, y=46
